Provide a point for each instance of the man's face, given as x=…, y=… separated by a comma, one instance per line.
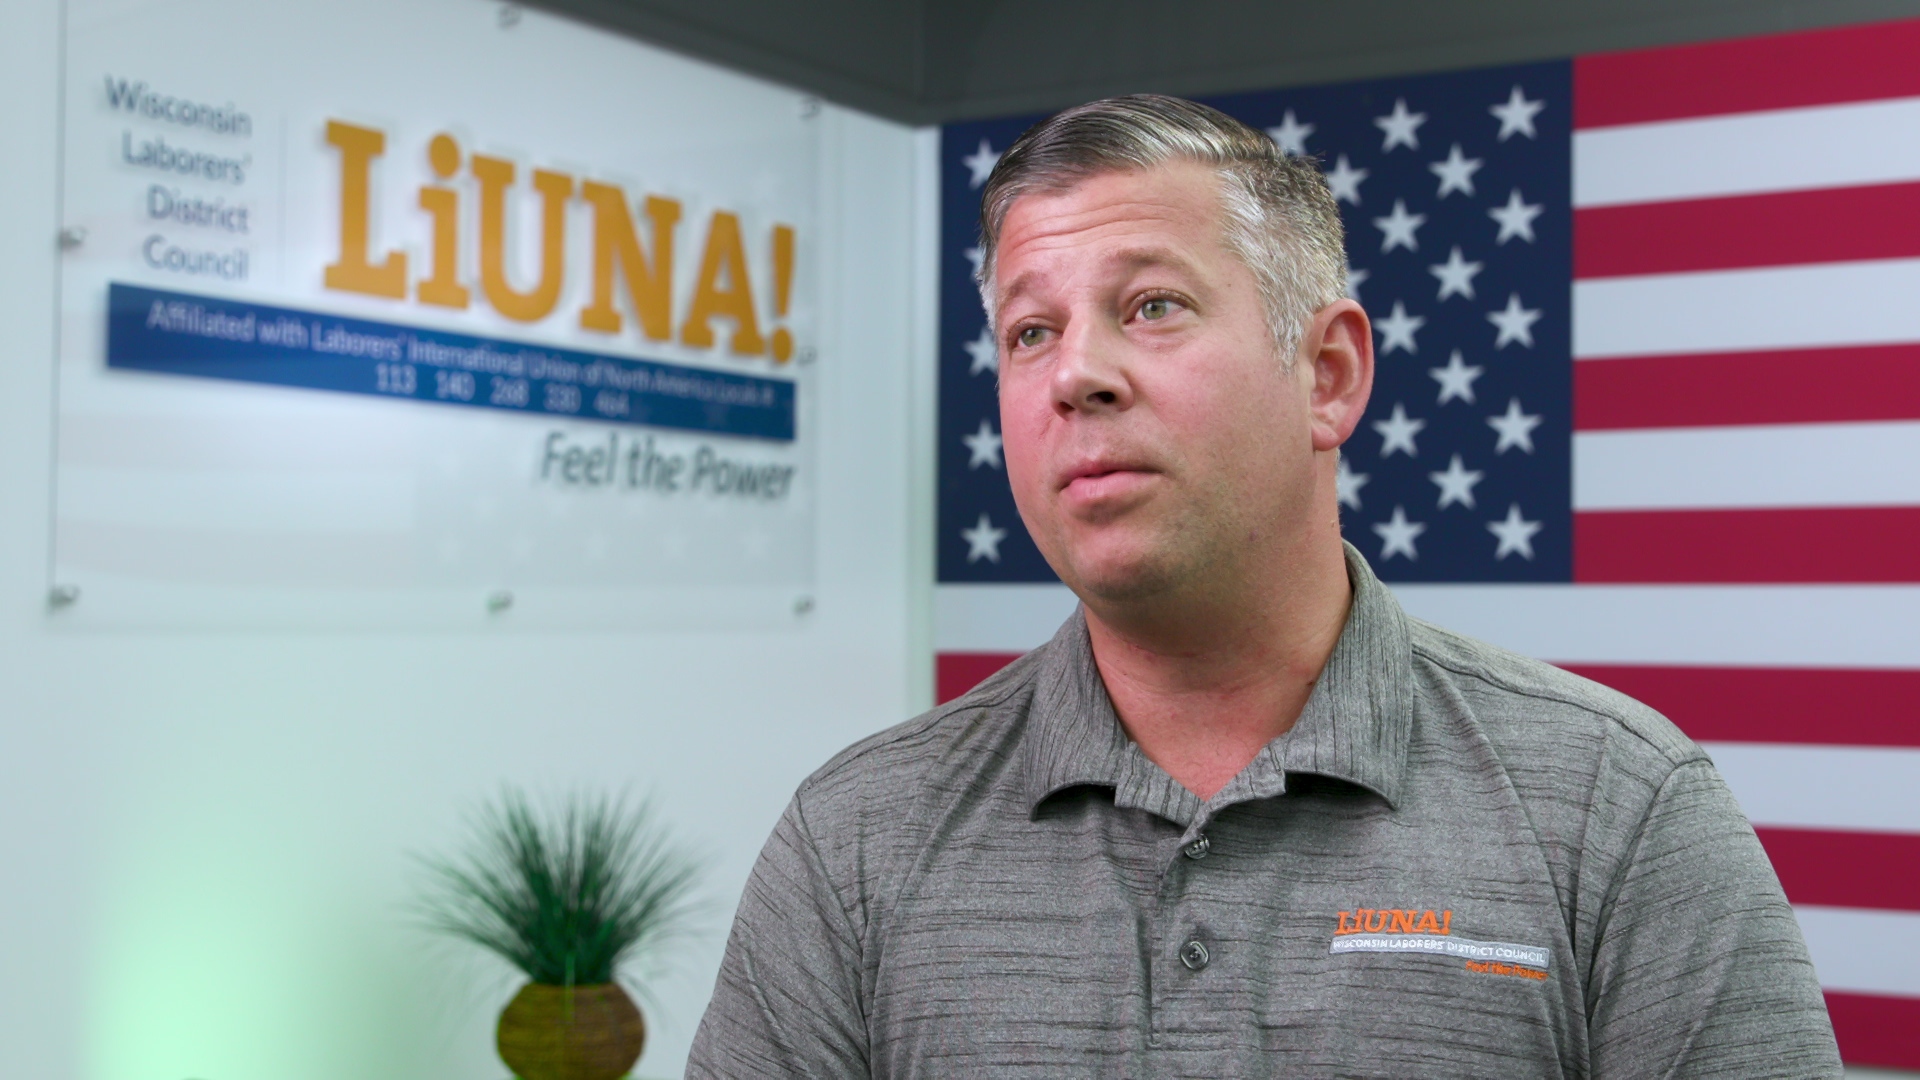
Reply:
x=1154, y=438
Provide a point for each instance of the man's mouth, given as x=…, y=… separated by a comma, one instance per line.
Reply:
x=1103, y=480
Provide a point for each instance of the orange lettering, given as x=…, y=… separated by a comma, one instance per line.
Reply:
x=496, y=176
x=1343, y=929
x=1446, y=921
x=1374, y=925
x=1402, y=922
x=354, y=270
x=616, y=246
x=781, y=341
x=1495, y=967
x=443, y=204
x=726, y=259
x=1427, y=924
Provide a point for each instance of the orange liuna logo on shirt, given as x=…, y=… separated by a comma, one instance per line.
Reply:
x=1392, y=921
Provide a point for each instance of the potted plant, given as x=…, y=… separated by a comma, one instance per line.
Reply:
x=566, y=898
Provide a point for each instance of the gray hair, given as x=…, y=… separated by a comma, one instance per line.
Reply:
x=1279, y=216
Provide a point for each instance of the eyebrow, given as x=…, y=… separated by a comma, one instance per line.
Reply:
x=1126, y=259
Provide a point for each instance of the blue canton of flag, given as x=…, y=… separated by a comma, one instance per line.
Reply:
x=1456, y=195
x=981, y=538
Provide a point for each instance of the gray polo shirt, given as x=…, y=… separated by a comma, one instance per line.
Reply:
x=1459, y=862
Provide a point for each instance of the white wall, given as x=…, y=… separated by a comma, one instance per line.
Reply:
x=205, y=835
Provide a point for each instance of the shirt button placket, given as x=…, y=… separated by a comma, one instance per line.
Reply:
x=1169, y=919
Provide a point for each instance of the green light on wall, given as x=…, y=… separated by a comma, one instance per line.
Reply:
x=229, y=950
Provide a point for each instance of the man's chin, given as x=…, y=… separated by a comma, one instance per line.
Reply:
x=1119, y=581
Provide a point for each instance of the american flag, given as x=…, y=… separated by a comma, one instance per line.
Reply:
x=1647, y=406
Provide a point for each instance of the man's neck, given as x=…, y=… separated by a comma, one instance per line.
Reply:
x=1201, y=686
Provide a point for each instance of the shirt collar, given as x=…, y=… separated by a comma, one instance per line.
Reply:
x=1355, y=725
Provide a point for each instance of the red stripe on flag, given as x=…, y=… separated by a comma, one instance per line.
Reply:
x=1781, y=71
x=1831, y=706
x=1788, y=386
x=1876, y=1030
x=1876, y=221
x=956, y=673
x=1823, y=545
x=1846, y=869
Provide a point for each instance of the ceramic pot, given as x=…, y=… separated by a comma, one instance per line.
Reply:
x=571, y=1032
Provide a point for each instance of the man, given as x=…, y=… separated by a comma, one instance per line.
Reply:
x=1242, y=816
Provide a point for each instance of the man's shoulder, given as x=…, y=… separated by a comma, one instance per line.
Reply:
x=1523, y=698
x=950, y=747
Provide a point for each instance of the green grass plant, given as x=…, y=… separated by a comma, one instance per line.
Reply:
x=567, y=896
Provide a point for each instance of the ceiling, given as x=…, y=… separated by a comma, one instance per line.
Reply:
x=932, y=61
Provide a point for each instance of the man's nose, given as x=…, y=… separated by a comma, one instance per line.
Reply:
x=1090, y=374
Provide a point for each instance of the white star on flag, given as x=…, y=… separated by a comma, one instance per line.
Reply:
x=1397, y=432
x=1456, y=173
x=1456, y=379
x=1397, y=228
x=1515, y=322
x=1515, y=218
x=1291, y=134
x=1400, y=126
x=1456, y=483
x=986, y=355
x=1344, y=180
x=980, y=164
x=1517, y=114
x=1397, y=536
x=983, y=541
x=1396, y=330
x=1515, y=533
x=1456, y=275
x=1354, y=278
x=1348, y=484
x=976, y=257
x=984, y=445
x=1515, y=428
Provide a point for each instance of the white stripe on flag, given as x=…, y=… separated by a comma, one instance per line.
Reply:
x=1757, y=466
x=1871, y=626
x=998, y=618
x=1773, y=307
x=1825, y=146
x=312, y=501
x=1841, y=788
x=1866, y=952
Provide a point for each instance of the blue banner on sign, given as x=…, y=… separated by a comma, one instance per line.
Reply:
x=182, y=334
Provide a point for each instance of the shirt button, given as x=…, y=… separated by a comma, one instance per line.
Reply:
x=1194, y=955
x=1199, y=848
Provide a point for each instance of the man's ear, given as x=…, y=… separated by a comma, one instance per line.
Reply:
x=1338, y=346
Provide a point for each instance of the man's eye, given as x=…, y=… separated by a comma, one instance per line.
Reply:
x=1157, y=308
x=1031, y=336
